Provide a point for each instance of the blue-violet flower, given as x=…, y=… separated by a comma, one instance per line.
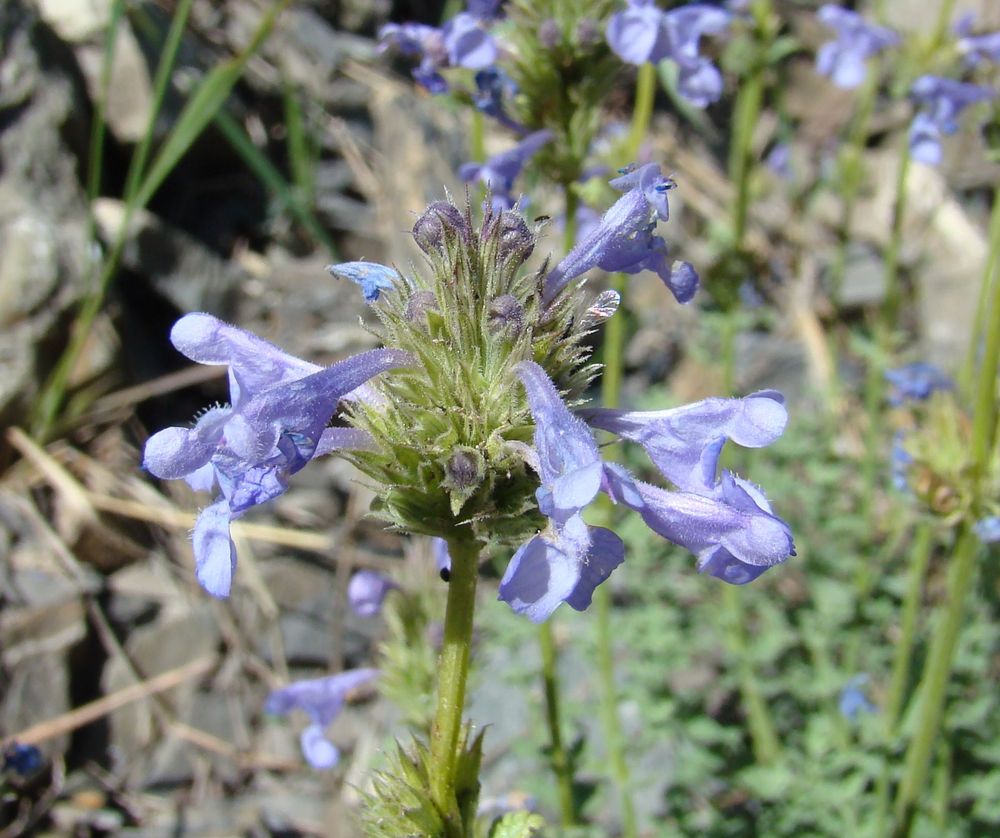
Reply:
x=461, y=42
x=277, y=422
x=941, y=101
x=843, y=60
x=626, y=240
x=643, y=33
x=726, y=521
x=500, y=170
x=321, y=699
x=367, y=591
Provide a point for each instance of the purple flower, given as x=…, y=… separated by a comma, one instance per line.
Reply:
x=684, y=443
x=941, y=100
x=988, y=529
x=461, y=42
x=322, y=699
x=643, y=33
x=979, y=48
x=626, y=239
x=493, y=86
x=499, y=172
x=726, y=521
x=853, y=699
x=367, y=591
x=370, y=276
x=916, y=382
x=843, y=60
x=276, y=423
x=571, y=559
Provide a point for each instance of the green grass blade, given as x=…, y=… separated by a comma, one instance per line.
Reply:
x=300, y=156
x=161, y=81
x=201, y=109
x=98, y=127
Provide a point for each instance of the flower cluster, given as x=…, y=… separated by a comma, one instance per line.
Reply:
x=843, y=59
x=726, y=521
x=644, y=33
x=477, y=428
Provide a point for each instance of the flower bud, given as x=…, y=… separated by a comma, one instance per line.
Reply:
x=588, y=32
x=516, y=240
x=464, y=469
x=549, y=34
x=506, y=315
x=464, y=472
x=441, y=221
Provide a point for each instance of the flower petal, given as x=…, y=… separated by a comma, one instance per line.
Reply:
x=319, y=751
x=539, y=577
x=208, y=340
x=174, y=453
x=214, y=551
x=606, y=552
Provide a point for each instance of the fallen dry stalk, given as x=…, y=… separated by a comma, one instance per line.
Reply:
x=108, y=704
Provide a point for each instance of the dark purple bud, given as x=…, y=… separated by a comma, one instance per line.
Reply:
x=588, y=32
x=516, y=240
x=465, y=469
x=440, y=223
x=506, y=315
x=549, y=34
x=419, y=304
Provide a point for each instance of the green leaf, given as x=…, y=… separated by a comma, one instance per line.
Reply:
x=518, y=825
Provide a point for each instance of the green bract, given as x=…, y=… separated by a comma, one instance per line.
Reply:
x=452, y=429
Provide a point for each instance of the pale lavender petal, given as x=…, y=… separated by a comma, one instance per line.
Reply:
x=979, y=48
x=685, y=442
x=564, y=443
x=638, y=34
x=367, y=591
x=343, y=439
x=925, y=140
x=208, y=340
x=319, y=751
x=174, y=453
x=202, y=479
x=321, y=698
x=539, y=577
x=606, y=552
x=701, y=83
x=468, y=44
x=702, y=524
x=214, y=551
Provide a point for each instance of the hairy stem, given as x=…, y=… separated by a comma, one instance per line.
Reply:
x=453, y=669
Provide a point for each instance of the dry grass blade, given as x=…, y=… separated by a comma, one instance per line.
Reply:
x=108, y=704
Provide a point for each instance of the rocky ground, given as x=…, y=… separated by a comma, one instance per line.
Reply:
x=143, y=694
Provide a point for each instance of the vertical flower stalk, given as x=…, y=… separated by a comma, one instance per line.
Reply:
x=454, y=672
x=961, y=574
